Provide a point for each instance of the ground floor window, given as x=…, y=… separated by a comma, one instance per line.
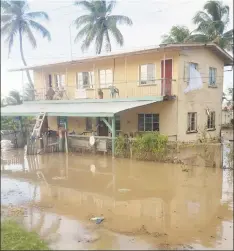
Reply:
x=211, y=120
x=117, y=123
x=192, y=122
x=62, y=121
x=148, y=122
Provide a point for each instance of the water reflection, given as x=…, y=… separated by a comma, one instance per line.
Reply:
x=171, y=204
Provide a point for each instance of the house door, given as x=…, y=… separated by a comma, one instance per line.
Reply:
x=166, y=88
x=102, y=128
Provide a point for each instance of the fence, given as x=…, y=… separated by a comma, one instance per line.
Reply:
x=80, y=143
x=17, y=138
x=119, y=89
x=46, y=144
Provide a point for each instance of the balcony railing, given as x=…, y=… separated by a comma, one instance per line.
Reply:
x=161, y=87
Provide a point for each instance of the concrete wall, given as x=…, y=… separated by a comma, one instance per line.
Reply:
x=199, y=100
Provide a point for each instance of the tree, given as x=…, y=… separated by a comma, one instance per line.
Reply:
x=17, y=21
x=177, y=34
x=228, y=97
x=212, y=25
x=98, y=24
x=29, y=92
x=14, y=98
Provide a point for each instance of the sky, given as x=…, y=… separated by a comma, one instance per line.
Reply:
x=151, y=19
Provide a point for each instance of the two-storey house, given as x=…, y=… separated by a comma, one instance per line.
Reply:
x=175, y=89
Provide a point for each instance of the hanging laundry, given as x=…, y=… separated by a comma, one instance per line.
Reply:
x=195, y=80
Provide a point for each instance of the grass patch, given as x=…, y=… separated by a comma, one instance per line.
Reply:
x=15, y=237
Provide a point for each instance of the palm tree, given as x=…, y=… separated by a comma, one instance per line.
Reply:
x=17, y=21
x=177, y=34
x=98, y=24
x=212, y=25
x=14, y=98
x=29, y=92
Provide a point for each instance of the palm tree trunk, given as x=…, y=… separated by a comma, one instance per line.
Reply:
x=23, y=59
x=108, y=41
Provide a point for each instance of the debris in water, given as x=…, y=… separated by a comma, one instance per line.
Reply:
x=97, y=219
x=123, y=190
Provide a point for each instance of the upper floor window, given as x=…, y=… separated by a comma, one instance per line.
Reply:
x=148, y=122
x=147, y=74
x=84, y=80
x=212, y=76
x=187, y=70
x=59, y=80
x=211, y=120
x=192, y=122
x=105, y=78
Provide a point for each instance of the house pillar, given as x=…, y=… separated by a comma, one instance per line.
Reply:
x=112, y=130
x=113, y=136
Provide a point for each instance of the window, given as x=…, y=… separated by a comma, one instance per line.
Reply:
x=147, y=74
x=62, y=121
x=106, y=78
x=211, y=120
x=59, y=80
x=89, y=124
x=117, y=123
x=148, y=122
x=49, y=80
x=188, y=66
x=212, y=76
x=192, y=122
x=84, y=80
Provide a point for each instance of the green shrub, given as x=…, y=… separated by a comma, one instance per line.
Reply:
x=122, y=147
x=150, y=146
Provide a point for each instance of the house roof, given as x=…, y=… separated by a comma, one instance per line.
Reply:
x=228, y=59
x=75, y=109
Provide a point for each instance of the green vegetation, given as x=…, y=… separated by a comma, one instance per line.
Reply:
x=177, y=34
x=146, y=146
x=15, y=237
x=122, y=147
x=150, y=146
x=99, y=24
x=18, y=21
x=211, y=22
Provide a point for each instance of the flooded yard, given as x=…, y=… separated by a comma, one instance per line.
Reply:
x=145, y=205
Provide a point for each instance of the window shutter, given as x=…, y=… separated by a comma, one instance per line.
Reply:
x=102, y=78
x=143, y=72
x=80, y=80
x=151, y=72
x=91, y=74
x=62, y=80
x=109, y=77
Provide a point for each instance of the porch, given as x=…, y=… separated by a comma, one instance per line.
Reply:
x=131, y=89
x=98, y=118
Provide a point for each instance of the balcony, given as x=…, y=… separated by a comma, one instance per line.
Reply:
x=156, y=88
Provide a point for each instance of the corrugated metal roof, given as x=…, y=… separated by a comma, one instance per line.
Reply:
x=228, y=60
x=80, y=109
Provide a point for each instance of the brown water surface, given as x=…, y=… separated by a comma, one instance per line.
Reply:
x=146, y=205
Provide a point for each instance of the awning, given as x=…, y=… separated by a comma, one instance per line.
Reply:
x=99, y=108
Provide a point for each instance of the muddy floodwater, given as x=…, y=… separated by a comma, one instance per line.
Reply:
x=145, y=205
